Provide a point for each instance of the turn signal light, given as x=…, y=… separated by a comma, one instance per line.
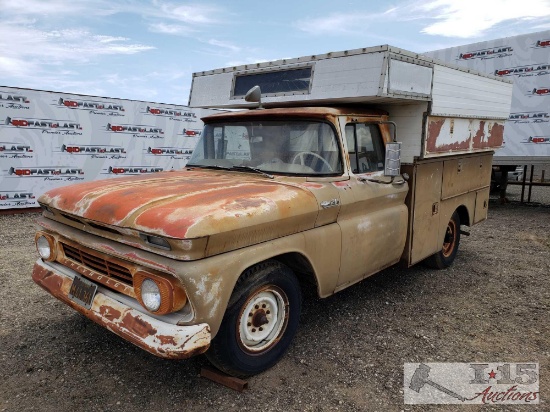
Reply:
x=159, y=294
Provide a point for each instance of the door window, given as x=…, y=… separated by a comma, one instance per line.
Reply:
x=366, y=150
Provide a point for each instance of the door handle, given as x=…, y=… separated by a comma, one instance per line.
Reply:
x=325, y=204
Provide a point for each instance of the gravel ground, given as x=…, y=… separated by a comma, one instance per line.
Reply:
x=491, y=305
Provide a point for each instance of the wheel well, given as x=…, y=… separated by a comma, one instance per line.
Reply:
x=300, y=265
x=463, y=214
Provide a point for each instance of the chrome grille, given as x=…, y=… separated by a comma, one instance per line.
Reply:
x=98, y=264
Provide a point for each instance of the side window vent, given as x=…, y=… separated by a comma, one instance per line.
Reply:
x=288, y=81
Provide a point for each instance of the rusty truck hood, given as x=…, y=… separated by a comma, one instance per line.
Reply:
x=192, y=204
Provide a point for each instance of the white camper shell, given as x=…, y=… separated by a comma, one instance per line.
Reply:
x=454, y=110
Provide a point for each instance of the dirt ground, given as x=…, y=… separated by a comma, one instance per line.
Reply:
x=492, y=305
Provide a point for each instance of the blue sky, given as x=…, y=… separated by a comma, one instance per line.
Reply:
x=148, y=49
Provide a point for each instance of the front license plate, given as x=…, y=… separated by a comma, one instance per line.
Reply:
x=82, y=292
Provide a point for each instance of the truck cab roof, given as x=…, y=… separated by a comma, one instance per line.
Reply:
x=321, y=112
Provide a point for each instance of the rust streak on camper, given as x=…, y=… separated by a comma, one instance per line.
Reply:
x=439, y=142
x=488, y=134
x=434, y=129
x=496, y=135
x=480, y=139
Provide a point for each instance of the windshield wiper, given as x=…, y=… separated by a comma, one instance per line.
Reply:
x=253, y=169
x=208, y=166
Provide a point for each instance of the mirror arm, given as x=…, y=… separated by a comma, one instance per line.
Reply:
x=394, y=128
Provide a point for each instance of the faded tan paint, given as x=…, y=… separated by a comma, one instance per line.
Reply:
x=465, y=173
x=337, y=230
x=425, y=212
x=208, y=283
x=439, y=187
x=372, y=218
x=482, y=205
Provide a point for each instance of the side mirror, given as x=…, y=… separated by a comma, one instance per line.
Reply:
x=254, y=95
x=393, y=159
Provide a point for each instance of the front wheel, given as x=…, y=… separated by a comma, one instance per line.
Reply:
x=445, y=257
x=260, y=321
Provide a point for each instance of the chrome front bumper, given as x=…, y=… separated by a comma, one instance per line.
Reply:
x=162, y=339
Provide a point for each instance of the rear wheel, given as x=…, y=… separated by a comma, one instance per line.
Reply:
x=445, y=257
x=260, y=321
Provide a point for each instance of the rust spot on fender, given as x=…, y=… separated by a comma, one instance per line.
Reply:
x=311, y=185
x=137, y=326
x=341, y=184
x=243, y=204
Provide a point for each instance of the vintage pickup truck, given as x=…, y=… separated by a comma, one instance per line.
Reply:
x=307, y=191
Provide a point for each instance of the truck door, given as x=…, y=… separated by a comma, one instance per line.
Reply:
x=373, y=216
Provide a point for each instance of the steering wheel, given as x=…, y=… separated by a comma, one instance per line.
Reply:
x=302, y=162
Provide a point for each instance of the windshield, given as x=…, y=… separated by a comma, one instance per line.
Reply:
x=284, y=147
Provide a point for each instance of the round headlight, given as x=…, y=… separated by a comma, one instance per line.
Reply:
x=43, y=247
x=150, y=295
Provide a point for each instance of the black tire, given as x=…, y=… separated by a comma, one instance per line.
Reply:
x=244, y=345
x=445, y=257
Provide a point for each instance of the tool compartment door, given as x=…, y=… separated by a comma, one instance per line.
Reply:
x=425, y=210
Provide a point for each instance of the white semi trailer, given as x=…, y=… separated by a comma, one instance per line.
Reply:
x=525, y=59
